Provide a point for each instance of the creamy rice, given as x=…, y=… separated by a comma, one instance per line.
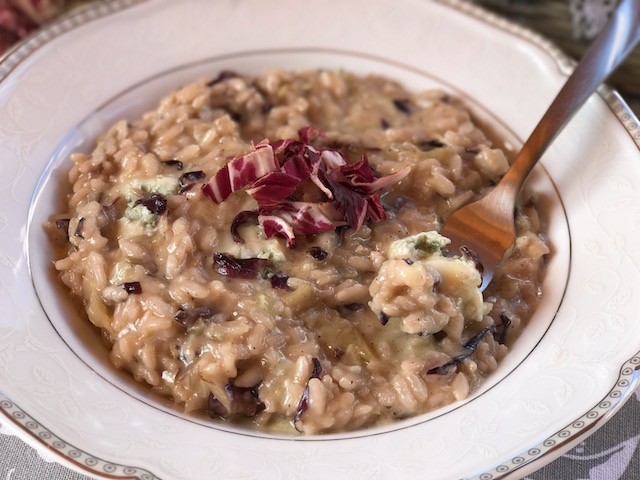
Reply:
x=346, y=329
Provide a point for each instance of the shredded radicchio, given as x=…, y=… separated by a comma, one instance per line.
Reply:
x=246, y=216
x=174, y=163
x=274, y=172
x=503, y=328
x=317, y=253
x=63, y=225
x=349, y=309
x=469, y=349
x=241, y=402
x=189, y=179
x=303, y=404
x=132, y=287
x=109, y=211
x=222, y=76
x=402, y=105
x=215, y=408
x=155, y=202
x=230, y=266
x=240, y=172
x=427, y=145
x=79, y=229
x=279, y=281
x=472, y=257
x=189, y=317
x=354, y=307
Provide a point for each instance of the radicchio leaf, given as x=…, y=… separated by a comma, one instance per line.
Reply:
x=375, y=209
x=222, y=76
x=306, y=218
x=472, y=256
x=241, y=171
x=354, y=307
x=63, y=225
x=427, y=145
x=132, y=287
x=349, y=309
x=276, y=226
x=243, y=217
x=351, y=205
x=189, y=179
x=308, y=134
x=230, y=266
x=503, y=328
x=469, y=349
x=242, y=402
x=155, y=202
x=303, y=404
x=359, y=177
x=279, y=281
x=273, y=175
x=174, y=163
x=299, y=160
x=109, y=211
x=402, y=105
x=215, y=407
x=79, y=232
x=273, y=188
x=317, y=253
x=189, y=317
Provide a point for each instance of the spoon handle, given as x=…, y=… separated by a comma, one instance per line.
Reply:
x=612, y=45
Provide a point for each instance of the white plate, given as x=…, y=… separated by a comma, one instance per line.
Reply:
x=570, y=371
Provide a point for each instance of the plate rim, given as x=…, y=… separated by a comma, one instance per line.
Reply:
x=37, y=435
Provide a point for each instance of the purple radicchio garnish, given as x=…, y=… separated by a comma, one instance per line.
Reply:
x=240, y=172
x=472, y=257
x=63, y=225
x=427, y=145
x=303, y=404
x=155, y=202
x=469, y=349
x=189, y=316
x=273, y=173
x=349, y=309
x=174, y=163
x=317, y=253
x=402, y=105
x=222, y=76
x=132, y=287
x=109, y=211
x=189, y=179
x=246, y=216
x=230, y=266
x=238, y=402
x=79, y=232
x=279, y=281
x=503, y=328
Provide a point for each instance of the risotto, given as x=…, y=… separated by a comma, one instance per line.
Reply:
x=264, y=250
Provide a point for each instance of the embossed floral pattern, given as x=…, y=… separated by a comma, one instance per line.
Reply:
x=612, y=453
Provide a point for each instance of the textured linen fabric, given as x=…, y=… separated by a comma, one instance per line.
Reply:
x=589, y=16
x=612, y=453
x=18, y=461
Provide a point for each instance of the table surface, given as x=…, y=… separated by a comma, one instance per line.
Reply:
x=611, y=453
